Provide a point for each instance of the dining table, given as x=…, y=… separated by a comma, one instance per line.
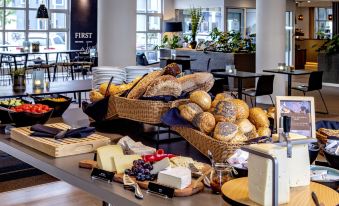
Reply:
x=15, y=54
x=185, y=62
x=289, y=74
x=239, y=75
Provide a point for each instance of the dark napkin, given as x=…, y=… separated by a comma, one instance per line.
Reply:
x=39, y=130
x=327, y=124
x=172, y=118
x=166, y=98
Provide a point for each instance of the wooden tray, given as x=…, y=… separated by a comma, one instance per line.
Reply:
x=188, y=191
x=235, y=192
x=59, y=148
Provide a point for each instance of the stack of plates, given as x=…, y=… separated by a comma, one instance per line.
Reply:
x=133, y=72
x=104, y=74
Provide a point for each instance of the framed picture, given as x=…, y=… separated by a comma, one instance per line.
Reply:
x=302, y=113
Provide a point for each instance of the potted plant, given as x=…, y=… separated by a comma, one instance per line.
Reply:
x=196, y=19
x=19, y=80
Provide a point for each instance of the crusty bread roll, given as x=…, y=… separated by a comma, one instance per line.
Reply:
x=201, y=98
x=225, y=111
x=95, y=96
x=142, y=85
x=264, y=131
x=164, y=85
x=197, y=81
x=220, y=97
x=172, y=69
x=188, y=111
x=239, y=138
x=258, y=117
x=225, y=131
x=245, y=125
x=242, y=108
x=252, y=134
x=204, y=121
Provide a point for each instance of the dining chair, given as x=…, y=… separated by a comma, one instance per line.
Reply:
x=264, y=87
x=315, y=83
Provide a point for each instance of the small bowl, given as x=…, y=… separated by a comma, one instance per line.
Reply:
x=313, y=150
x=242, y=172
x=332, y=159
x=59, y=107
x=331, y=184
x=23, y=119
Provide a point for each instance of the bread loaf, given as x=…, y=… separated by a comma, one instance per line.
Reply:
x=244, y=125
x=201, y=98
x=204, y=121
x=225, y=131
x=164, y=85
x=258, y=117
x=172, y=69
x=197, y=81
x=252, y=134
x=264, y=131
x=220, y=97
x=95, y=96
x=242, y=108
x=188, y=111
x=142, y=85
x=225, y=111
x=239, y=138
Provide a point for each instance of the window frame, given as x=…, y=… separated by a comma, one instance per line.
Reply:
x=318, y=21
x=27, y=30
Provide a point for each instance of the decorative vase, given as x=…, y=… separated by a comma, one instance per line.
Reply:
x=193, y=44
x=19, y=83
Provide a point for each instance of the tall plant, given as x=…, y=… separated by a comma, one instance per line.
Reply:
x=196, y=20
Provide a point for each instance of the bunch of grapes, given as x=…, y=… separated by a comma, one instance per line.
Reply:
x=141, y=170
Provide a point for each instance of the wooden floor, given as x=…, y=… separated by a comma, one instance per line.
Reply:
x=52, y=194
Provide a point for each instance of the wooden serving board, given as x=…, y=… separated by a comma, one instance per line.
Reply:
x=59, y=148
x=188, y=191
x=235, y=192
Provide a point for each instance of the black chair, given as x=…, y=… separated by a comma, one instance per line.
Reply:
x=264, y=87
x=142, y=59
x=315, y=83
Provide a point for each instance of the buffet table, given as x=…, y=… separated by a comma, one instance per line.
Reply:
x=66, y=169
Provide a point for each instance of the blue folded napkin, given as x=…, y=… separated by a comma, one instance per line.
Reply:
x=172, y=118
x=327, y=125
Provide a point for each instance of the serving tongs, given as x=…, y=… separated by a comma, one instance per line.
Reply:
x=132, y=185
x=6, y=109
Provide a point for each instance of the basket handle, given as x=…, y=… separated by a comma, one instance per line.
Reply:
x=108, y=86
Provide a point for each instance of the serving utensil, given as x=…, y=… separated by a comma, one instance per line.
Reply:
x=130, y=184
x=316, y=200
x=5, y=109
x=210, y=156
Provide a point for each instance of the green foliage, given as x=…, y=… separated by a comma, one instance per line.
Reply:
x=19, y=72
x=331, y=46
x=168, y=42
x=196, y=20
x=231, y=42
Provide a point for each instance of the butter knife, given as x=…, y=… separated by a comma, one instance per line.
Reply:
x=315, y=199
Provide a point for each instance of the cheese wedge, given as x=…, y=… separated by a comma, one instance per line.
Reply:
x=123, y=162
x=105, y=155
x=260, y=175
x=178, y=177
x=161, y=165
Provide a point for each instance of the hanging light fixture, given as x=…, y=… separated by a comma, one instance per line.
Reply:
x=42, y=12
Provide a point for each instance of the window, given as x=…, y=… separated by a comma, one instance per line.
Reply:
x=149, y=24
x=323, y=25
x=241, y=20
x=20, y=23
x=212, y=19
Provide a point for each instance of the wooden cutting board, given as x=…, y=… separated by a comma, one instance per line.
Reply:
x=59, y=148
x=235, y=192
x=188, y=191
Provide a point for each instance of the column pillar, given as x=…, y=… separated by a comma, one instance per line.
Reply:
x=117, y=32
x=270, y=41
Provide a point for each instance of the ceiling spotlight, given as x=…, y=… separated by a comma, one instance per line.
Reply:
x=308, y=1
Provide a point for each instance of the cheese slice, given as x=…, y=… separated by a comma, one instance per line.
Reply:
x=178, y=177
x=123, y=162
x=105, y=155
x=260, y=175
x=161, y=165
x=299, y=166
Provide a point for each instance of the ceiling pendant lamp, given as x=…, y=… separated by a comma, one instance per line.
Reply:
x=42, y=12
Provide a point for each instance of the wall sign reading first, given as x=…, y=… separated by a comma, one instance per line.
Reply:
x=83, y=35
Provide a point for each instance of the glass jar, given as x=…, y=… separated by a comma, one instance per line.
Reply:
x=220, y=174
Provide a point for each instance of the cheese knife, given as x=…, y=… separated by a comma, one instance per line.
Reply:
x=316, y=200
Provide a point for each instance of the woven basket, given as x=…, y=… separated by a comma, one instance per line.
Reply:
x=111, y=111
x=221, y=150
x=145, y=111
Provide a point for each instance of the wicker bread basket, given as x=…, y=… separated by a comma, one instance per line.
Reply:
x=111, y=111
x=145, y=111
x=221, y=150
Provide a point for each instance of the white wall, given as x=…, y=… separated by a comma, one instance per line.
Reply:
x=240, y=3
x=116, y=32
x=304, y=24
x=169, y=10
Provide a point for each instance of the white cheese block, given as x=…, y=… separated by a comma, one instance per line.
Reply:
x=178, y=177
x=123, y=162
x=161, y=165
x=105, y=155
x=299, y=166
x=260, y=175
